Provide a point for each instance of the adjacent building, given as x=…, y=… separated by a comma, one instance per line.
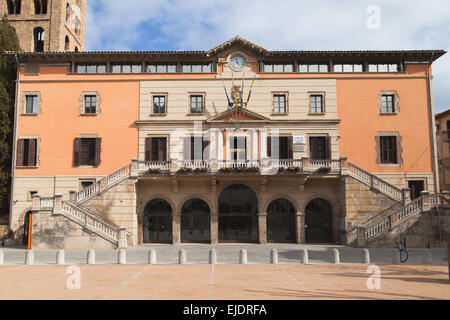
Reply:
x=443, y=148
x=233, y=144
x=47, y=25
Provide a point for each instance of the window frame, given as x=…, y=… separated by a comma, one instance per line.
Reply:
x=77, y=158
x=82, y=103
x=396, y=102
x=23, y=101
x=286, y=103
x=398, y=149
x=36, y=153
x=150, y=138
x=159, y=95
x=316, y=94
x=197, y=94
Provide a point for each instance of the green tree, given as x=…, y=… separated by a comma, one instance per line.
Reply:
x=8, y=42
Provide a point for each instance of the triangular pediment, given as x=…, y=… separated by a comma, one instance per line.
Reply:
x=244, y=115
x=238, y=42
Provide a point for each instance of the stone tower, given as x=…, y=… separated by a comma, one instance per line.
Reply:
x=47, y=25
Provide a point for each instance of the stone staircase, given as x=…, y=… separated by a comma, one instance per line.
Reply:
x=99, y=225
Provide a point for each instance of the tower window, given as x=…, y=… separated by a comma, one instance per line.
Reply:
x=40, y=6
x=14, y=6
x=39, y=38
x=66, y=44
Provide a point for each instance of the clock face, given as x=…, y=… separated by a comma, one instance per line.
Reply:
x=237, y=63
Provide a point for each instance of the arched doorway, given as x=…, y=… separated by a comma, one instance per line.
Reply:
x=195, y=221
x=281, y=221
x=26, y=229
x=318, y=221
x=238, y=208
x=157, y=222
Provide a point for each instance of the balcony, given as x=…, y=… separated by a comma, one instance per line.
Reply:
x=262, y=167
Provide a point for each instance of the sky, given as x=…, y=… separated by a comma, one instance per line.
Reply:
x=276, y=25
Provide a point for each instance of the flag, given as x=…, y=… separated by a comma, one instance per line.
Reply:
x=250, y=92
x=230, y=104
x=242, y=92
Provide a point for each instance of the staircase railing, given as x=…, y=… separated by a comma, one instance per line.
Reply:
x=374, y=182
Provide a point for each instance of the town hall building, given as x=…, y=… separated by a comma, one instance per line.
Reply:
x=237, y=143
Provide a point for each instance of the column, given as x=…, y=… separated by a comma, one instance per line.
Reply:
x=300, y=227
x=176, y=231
x=262, y=228
x=263, y=144
x=214, y=227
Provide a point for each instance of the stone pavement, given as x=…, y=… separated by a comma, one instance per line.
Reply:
x=224, y=282
x=226, y=254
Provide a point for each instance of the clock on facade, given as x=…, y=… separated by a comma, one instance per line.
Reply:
x=237, y=62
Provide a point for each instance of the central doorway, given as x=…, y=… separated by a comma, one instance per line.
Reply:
x=238, y=208
x=281, y=221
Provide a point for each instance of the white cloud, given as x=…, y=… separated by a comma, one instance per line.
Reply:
x=276, y=25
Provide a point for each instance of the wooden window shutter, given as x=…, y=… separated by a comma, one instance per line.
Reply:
x=378, y=149
x=162, y=149
x=312, y=148
x=205, y=149
x=328, y=148
x=76, y=151
x=98, y=150
x=32, y=153
x=290, y=148
x=20, y=152
x=187, y=148
x=269, y=146
x=148, y=149
x=399, y=150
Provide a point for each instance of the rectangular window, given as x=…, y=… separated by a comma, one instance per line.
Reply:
x=284, y=146
x=197, y=68
x=348, y=68
x=159, y=104
x=388, y=149
x=87, y=151
x=26, y=152
x=156, y=149
x=86, y=183
x=278, y=68
x=383, y=67
x=312, y=68
x=90, y=68
x=194, y=148
x=387, y=103
x=126, y=68
x=316, y=104
x=90, y=104
x=319, y=148
x=32, y=102
x=238, y=148
x=196, y=104
x=279, y=103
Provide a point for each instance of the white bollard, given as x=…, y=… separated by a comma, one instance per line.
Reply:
x=152, y=256
x=427, y=257
x=365, y=258
x=91, y=256
x=395, y=256
x=243, y=256
x=336, y=259
x=212, y=256
x=29, y=257
x=182, y=257
x=274, y=256
x=2, y=258
x=122, y=256
x=304, y=256
x=60, y=257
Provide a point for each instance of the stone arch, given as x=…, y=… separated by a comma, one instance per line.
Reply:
x=157, y=221
x=282, y=196
x=281, y=221
x=319, y=220
x=238, y=217
x=210, y=204
x=226, y=185
x=195, y=220
x=39, y=39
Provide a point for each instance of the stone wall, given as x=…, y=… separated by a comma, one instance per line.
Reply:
x=362, y=203
x=419, y=231
x=57, y=232
x=4, y=230
x=117, y=205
